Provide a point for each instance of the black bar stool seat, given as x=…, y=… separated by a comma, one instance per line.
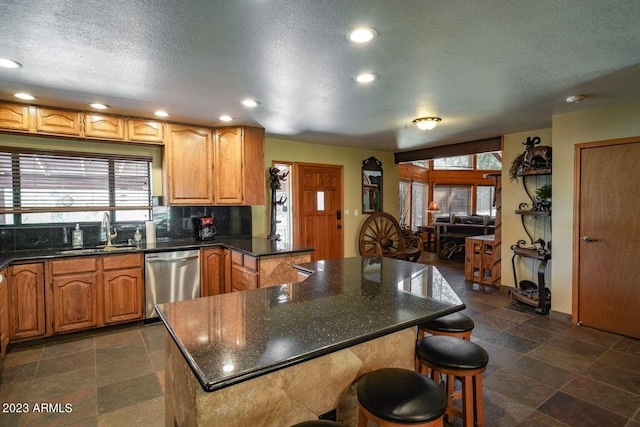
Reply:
x=397, y=397
x=454, y=324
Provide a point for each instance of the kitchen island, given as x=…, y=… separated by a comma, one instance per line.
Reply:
x=284, y=354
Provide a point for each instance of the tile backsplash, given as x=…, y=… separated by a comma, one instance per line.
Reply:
x=170, y=222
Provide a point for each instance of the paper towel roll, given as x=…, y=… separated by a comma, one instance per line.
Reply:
x=151, y=231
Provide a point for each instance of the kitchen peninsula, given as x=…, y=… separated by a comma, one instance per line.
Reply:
x=284, y=354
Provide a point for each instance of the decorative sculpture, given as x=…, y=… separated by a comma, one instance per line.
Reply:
x=276, y=178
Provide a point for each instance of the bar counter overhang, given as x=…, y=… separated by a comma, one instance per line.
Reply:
x=366, y=304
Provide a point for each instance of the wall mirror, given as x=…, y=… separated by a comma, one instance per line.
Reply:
x=371, y=185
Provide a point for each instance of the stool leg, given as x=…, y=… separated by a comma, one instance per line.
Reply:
x=362, y=418
x=477, y=394
x=451, y=383
x=467, y=401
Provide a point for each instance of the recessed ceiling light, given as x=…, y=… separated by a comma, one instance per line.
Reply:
x=225, y=118
x=574, y=99
x=25, y=96
x=250, y=103
x=365, y=78
x=99, y=106
x=161, y=113
x=9, y=63
x=362, y=35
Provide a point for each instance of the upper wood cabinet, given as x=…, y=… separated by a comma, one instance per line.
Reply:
x=189, y=165
x=145, y=131
x=15, y=117
x=58, y=122
x=98, y=126
x=239, y=172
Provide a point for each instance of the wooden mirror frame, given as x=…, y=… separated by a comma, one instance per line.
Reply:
x=371, y=185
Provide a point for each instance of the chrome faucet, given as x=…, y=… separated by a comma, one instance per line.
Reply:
x=106, y=223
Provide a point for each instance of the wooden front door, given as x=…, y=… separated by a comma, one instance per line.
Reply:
x=607, y=234
x=317, y=214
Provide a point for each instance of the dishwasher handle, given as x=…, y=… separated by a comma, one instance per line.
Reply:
x=161, y=259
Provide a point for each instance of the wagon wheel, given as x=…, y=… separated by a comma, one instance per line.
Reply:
x=380, y=228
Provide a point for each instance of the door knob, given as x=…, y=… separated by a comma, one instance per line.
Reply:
x=588, y=239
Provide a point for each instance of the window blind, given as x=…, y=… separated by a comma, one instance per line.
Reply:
x=55, y=182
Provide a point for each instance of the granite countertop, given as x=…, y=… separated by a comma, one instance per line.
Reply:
x=250, y=245
x=230, y=338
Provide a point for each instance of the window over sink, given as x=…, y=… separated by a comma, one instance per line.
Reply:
x=38, y=187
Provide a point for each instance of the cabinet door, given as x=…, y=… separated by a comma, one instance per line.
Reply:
x=123, y=295
x=58, y=122
x=189, y=171
x=14, y=117
x=26, y=301
x=229, y=182
x=103, y=127
x=4, y=313
x=212, y=272
x=74, y=301
x=145, y=131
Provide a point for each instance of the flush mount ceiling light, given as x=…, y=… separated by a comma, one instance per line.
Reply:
x=226, y=118
x=250, y=103
x=574, y=99
x=362, y=35
x=25, y=96
x=427, y=123
x=161, y=113
x=99, y=106
x=365, y=78
x=9, y=63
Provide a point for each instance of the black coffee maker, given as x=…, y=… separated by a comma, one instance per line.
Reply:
x=203, y=228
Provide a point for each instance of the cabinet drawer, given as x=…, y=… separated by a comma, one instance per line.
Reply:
x=237, y=258
x=251, y=262
x=74, y=265
x=121, y=261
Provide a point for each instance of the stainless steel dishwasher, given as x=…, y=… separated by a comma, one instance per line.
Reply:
x=169, y=277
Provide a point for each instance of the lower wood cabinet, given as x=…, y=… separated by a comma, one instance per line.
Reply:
x=212, y=272
x=4, y=312
x=26, y=301
x=123, y=288
x=244, y=272
x=74, y=291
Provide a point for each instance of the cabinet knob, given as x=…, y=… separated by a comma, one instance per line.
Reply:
x=588, y=239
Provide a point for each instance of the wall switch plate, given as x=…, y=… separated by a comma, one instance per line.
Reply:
x=355, y=212
x=346, y=212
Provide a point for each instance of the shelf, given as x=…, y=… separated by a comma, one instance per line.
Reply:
x=534, y=213
x=535, y=172
x=523, y=297
x=531, y=253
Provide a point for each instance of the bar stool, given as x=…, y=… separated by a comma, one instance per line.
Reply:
x=318, y=423
x=393, y=397
x=457, y=358
x=453, y=325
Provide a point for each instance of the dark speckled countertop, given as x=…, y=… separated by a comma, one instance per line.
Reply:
x=251, y=245
x=234, y=337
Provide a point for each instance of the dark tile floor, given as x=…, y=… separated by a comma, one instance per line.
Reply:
x=542, y=371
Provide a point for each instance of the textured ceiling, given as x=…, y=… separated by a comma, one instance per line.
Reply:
x=487, y=67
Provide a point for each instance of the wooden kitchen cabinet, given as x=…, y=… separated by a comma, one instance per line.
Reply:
x=58, y=122
x=98, y=126
x=149, y=131
x=15, y=117
x=189, y=167
x=74, y=294
x=26, y=301
x=4, y=313
x=212, y=272
x=123, y=288
x=239, y=172
x=244, y=272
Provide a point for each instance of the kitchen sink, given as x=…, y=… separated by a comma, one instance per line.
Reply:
x=99, y=249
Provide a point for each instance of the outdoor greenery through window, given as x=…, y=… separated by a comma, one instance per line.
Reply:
x=52, y=187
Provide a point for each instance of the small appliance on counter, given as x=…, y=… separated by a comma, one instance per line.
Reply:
x=203, y=228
